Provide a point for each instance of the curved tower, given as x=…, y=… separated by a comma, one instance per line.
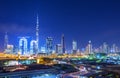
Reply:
x=33, y=47
x=23, y=46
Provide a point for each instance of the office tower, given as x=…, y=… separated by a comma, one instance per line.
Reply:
x=23, y=46
x=58, y=49
x=117, y=49
x=49, y=45
x=105, y=47
x=37, y=34
x=5, y=41
x=114, y=48
x=43, y=49
x=86, y=50
x=78, y=51
x=63, y=44
x=89, y=47
x=96, y=50
x=9, y=49
x=74, y=45
x=15, y=50
x=101, y=49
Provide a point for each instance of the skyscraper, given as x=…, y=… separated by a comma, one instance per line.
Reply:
x=114, y=48
x=9, y=49
x=74, y=45
x=49, y=45
x=33, y=47
x=105, y=47
x=89, y=48
x=34, y=44
x=5, y=41
x=58, y=49
x=63, y=44
x=23, y=46
x=37, y=34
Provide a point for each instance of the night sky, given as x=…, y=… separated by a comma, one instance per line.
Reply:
x=80, y=20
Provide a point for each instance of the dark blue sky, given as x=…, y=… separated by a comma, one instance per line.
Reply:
x=80, y=20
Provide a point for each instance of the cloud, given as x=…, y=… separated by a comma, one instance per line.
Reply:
x=112, y=32
x=15, y=28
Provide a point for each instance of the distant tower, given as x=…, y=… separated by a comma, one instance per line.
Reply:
x=58, y=49
x=37, y=34
x=114, y=48
x=49, y=45
x=89, y=47
x=6, y=41
x=105, y=47
x=63, y=44
x=74, y=45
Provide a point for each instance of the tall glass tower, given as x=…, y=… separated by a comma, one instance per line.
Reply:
x=74, y=45
x=49, y=45
x=5, y=41
x=37, y=34
x=63, y=43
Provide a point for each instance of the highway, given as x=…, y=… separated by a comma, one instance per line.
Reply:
x=29, y=74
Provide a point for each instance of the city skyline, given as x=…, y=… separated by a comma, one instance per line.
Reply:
x=98, y=23
x=27, y=45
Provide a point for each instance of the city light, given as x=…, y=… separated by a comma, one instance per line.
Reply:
x=59, y=39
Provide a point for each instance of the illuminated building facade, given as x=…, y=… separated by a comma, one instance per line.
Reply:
x=49, y=45
x=74, y=46
x=43, y=50
x=33, y=47
x=34, y=44
x=5, y=41
x=37, y=35
x=58, y=49
x=114, y=48
x=9, y=49
x=105, y=47
x=89, y=48
x=23, y=46
x=63, y=44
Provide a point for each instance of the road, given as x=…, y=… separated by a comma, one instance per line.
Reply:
x=29, y=74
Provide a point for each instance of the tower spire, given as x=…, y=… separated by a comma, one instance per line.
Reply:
x=37, y=33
